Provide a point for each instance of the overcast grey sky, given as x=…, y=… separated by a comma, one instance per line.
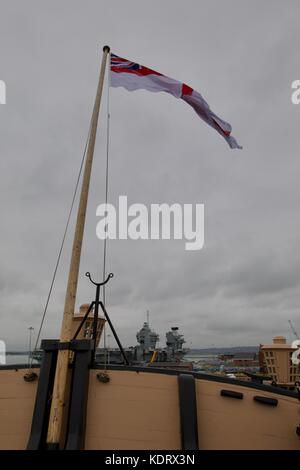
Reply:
x=242, y=55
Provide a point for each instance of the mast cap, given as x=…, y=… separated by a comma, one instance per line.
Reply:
x=106, y=49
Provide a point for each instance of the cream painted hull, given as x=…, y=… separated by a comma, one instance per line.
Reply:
x=140, y=410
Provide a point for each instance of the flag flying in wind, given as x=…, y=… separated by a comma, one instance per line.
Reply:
x=132, y=76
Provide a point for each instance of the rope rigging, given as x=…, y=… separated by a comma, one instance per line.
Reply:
x=106, y=174
x=106, y=200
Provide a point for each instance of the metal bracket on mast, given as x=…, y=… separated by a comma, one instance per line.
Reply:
x=95, y=305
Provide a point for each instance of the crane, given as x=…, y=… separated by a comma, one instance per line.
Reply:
x=293, y=329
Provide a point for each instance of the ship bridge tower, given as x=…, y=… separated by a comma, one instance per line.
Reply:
x=174, y=339
x=147, y=338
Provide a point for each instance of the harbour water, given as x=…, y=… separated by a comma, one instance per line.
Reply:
x=17, y=358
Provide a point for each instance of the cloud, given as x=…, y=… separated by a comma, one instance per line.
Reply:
x=244, y=285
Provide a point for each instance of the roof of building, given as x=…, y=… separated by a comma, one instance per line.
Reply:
x=279, y=342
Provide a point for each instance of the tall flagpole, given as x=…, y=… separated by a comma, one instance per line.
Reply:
x=59, y=389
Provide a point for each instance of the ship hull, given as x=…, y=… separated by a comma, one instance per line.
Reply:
x=141, y=408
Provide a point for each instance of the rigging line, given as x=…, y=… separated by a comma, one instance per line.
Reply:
x=106, y=200
x=106, y=176
x=62, y=244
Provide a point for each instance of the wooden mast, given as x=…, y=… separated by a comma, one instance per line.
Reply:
x=59, y=389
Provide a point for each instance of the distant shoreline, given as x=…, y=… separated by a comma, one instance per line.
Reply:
x=17, y=353
x=191, y=351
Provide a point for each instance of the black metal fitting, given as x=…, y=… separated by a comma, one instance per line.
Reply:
x=30, y=377
x=95, y=306
x=103, y=377
x=231, y=394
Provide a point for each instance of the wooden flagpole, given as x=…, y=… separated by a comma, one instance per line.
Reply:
x=59, y=389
